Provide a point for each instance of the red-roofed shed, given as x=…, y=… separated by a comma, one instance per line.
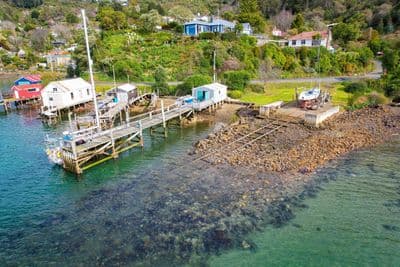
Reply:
x=27, y=91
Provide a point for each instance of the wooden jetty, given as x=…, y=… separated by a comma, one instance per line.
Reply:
x=84, y=149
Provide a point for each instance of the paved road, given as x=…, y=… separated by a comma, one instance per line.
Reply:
x=375, y=74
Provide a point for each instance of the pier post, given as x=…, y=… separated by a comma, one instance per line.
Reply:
x=114, y=154
x=141, y=134
x=163, y=118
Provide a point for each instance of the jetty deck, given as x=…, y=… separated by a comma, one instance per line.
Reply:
x=86, y=148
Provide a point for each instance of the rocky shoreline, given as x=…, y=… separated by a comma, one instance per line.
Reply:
x=301, y=148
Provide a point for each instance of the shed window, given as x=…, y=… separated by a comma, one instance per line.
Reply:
x=72, y=96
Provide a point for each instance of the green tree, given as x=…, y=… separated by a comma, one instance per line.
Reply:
x=27, y=3
x=346, y=32
x=70, y=71
x=248, y=6
x=160, y=85
x=298, y=22
x=71, y=18
x=192, y=82
x=112, y=20
x=390, y=59
x=249, y=11
x=149, y=21
x=180, y=13
x=35, y=14
x=237, y=80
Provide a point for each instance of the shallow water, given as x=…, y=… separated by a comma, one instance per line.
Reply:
x=142, y=205
x=353, y=221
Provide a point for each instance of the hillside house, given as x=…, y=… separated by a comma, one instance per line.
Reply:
x=277, y=32
x=310, y=39
x=66, y=93
x=58, y=58
x=197, y=26
x=27, y=87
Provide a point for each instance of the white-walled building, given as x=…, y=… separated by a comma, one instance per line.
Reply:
x=124, y=93
x=215, y=92
x=310, y=39
x=67, y=93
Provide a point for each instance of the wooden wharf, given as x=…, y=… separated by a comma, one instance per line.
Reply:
x=89, y=147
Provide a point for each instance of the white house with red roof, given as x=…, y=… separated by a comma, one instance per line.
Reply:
x=27, y=87
x=310, y=39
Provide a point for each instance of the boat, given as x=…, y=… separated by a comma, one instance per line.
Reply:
x=309, y=98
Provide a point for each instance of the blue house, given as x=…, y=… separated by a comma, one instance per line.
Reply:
x=28, y=79
x=195, y=27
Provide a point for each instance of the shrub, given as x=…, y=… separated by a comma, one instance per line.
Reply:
x=207, y=36
x=229, y=36
x=371, y=100
x=375, y=99
x=237, y=80
x=256, y=88
x=191, y=82
x=236, y=94
x=357, y=88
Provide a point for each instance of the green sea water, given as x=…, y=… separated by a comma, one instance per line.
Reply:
x=353, y=221
x=49, y=217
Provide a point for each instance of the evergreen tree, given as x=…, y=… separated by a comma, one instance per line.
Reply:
x=248, y=6
x=27, y=3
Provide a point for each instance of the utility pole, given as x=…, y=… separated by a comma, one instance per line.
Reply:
x=214, y=66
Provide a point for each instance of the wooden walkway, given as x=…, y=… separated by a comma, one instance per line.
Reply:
x=84, y=149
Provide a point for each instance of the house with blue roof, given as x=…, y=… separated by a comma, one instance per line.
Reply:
x=195, y=27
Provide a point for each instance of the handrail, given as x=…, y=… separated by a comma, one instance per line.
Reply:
x=91, y=133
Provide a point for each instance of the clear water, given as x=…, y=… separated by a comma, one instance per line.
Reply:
x=48, y=217
x=354, y=220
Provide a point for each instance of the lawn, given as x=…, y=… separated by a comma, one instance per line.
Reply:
x=286, y=92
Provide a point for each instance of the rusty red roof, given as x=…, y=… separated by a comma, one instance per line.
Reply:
x=309, y=35
x=24, y=87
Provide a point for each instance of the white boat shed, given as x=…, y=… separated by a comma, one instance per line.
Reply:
x=214, y=92
x=66, y=93
x=124, y=92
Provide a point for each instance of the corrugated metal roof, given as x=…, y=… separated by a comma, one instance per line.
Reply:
x=309, y=35
x=69, y=85
x=126, y=87
x=213, y=86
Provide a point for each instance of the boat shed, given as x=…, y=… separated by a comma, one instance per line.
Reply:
x=214, y=92
x=124, y=92
x=66, y=93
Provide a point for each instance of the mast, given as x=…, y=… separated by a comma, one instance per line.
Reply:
x=90, y=62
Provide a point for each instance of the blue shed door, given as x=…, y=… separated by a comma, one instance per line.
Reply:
x=200, y=96
x=191, y=30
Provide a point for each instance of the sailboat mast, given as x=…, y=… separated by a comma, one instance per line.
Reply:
x=90, y=62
